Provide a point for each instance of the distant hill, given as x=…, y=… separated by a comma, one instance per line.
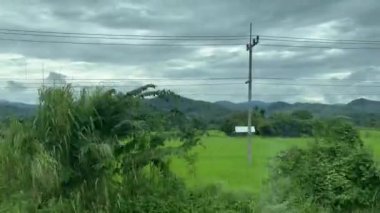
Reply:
x=356, y=106
x=364, y=105
x=199, y=109
x=12, y=109
x=361, y=111
x=241, y=106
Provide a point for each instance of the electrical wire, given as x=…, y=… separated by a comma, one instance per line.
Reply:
x=180, y=45
x=122, y=38
x=263, y=78
x=115, y=83
x=232, y=94
x=323, y=42
x=320, y=47
x=125, y=35
x=318, y=39
x=118, y=44
x=118, y=84
x=108, y=35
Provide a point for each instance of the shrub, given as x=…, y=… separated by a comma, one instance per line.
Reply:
x=335, y=173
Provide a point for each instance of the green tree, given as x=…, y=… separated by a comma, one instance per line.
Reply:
x=302, y=114
x=286, y=125
x=85, y=143
x=96, y=152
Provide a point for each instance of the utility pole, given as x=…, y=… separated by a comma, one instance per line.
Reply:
x=250, y=45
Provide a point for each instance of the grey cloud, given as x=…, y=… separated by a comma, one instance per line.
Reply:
x=367, y=74
x=129, y=55
x=136, y=19
x=349, y=19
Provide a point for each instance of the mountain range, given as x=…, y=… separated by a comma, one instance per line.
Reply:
x=14, y=109
x=360, y=110
x=356, y=106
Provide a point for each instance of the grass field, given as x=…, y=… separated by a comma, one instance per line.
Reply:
x=371, y=140
x=222, y=160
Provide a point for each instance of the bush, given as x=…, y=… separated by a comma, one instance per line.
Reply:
x=335, y=173
x=287, y=125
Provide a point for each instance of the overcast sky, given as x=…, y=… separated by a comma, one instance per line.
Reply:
x=311, y=72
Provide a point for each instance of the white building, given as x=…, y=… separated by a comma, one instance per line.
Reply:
x=244, y=129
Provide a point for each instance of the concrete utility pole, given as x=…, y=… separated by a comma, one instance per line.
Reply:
x=250, y=45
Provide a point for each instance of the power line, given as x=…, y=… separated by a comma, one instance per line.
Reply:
x=126, y=35
x=119, y=44
x=232, y=79
x=320, y=47
x=323, y=42
x=236, y=94
x=130, y=86
x=317, y=85
x=124, y=38
x=316, y=79
x=318, y=39
x=180, y=45
x=181, y=38
x=174, y=38
x=209, y=78
x=283, y=95
x=34, y=32
x=108, y=35
x=117, y=83
x=134, y=79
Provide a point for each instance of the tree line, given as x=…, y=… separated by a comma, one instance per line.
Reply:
x=296, y=124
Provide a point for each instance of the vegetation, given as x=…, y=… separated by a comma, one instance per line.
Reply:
x=334, y=174
x=98, y=153
x=222, y=160
x=361, y=112
x=106, y=151
x=296, y=124
x=208, y=115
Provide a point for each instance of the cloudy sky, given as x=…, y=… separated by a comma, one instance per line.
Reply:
x=337, y=62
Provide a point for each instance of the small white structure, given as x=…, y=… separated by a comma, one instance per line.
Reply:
x=244, y=129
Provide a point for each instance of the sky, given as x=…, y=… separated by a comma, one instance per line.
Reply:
x=283, y=70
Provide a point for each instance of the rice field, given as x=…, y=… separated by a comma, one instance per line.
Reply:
x=222, y=160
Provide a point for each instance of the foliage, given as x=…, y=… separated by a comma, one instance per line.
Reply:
x=296, y=124
x=208, y=114
x=302, y=114
x=335, y=173
x=97, y=152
